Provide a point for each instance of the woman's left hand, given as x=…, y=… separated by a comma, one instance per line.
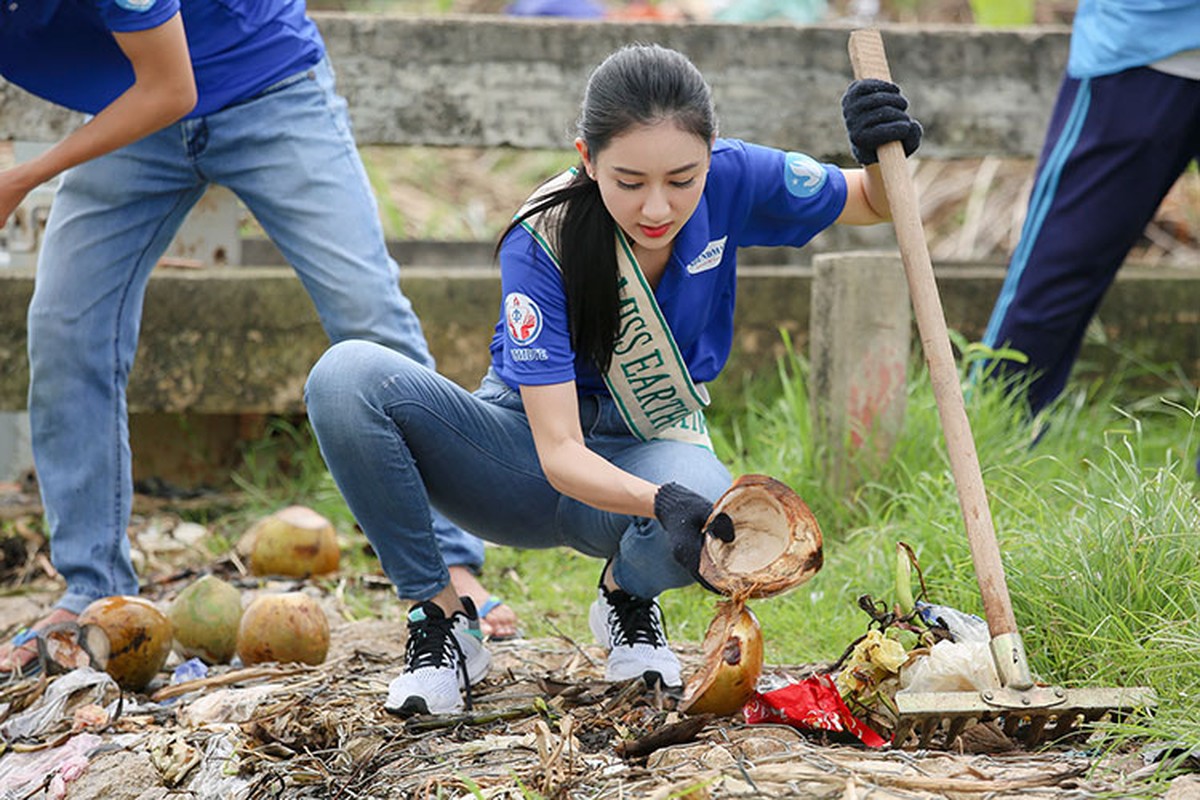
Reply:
x=876, y=113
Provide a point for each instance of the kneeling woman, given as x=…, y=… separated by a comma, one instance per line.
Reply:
x=618, y=282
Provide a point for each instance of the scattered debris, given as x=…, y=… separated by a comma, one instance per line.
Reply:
x=545, y=724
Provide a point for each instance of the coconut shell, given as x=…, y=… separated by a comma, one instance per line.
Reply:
x=139, y=638
x=205, y=618
x=295, y=541
x=733, y=662
x=777, y=542
x=284, y=628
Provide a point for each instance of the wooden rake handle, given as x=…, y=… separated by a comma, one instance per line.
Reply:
x=869, y=61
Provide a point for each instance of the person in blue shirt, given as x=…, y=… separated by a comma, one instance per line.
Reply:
x=618, y=280
x=181, y=93
x=1125, y=126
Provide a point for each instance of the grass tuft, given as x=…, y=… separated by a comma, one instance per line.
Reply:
x=1094, y=503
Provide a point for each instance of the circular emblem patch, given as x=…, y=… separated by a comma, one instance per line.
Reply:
x=522, y=317
x=802, y=175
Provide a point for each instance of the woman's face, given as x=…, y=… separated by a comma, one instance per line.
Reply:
x=650, y=179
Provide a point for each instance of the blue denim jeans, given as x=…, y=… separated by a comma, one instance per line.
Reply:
x=400, y=439
x=290, y=156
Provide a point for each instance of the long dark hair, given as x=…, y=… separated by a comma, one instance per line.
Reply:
x=639, y=84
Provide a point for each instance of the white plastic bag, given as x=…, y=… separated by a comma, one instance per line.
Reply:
x=951, y=667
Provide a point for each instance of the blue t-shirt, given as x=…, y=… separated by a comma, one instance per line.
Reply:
x=1108, y=36
x=64, y=50
x=754, y=196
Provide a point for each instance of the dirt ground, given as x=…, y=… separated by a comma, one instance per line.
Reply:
x=544, y=723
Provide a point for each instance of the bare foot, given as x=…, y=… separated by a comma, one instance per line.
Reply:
x=23, y=655
x=500, y=621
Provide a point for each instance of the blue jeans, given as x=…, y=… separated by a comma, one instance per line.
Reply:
x=400, y=439
x=290, y=156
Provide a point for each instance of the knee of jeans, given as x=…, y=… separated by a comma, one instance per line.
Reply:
x=338, y=374
x=706, y=477
x=60, y=353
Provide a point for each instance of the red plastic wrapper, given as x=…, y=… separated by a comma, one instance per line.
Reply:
x=812, y=704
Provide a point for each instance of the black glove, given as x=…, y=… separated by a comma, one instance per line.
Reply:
x=875, y=114
x=683, y=513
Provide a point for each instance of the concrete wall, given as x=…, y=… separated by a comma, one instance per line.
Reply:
x=493, y=80
x=242, y=340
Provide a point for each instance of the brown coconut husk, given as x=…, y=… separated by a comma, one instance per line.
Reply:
x=777, y=544
x=733, y=662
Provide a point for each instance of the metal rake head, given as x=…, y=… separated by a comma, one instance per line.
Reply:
x=1033, y=717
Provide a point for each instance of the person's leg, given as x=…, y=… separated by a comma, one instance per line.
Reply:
x=290, y=156
x=626, y=618
x=398, y=437
x=497, y=619
x=1115, y=147
x=110, y=221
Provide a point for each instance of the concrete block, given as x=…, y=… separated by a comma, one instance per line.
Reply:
x=16, y=454
x=490, y=80
x=860, y=338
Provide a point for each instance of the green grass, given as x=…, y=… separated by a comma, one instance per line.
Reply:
x=1098, y=524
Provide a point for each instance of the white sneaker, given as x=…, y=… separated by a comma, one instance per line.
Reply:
x=443, y=658
x=632, y=630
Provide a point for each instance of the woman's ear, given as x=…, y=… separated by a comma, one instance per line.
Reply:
x=582, y=147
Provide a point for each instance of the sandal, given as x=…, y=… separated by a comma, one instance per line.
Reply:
x=61, y=647
x=29, y=668
x=492, y=604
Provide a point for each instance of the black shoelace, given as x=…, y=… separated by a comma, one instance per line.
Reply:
x=432, y=643
x=634, y=620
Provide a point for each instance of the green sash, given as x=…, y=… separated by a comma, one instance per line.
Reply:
x=648, y=377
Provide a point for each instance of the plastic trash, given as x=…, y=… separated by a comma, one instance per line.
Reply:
x=22, y=773
x=951, y=667
x=59, y=701
x=873, y=660
x=217, y=777
x=225, y=705
x=961, y=626
x=189, y=670
x=812, y=704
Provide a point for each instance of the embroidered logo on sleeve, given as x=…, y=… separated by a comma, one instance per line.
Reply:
x=802, y=175
x=714, y=251
x=136, y=5
x=522, y=317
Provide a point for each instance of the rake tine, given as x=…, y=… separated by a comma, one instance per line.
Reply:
x=928, y=728
x=1037, y=730
x=957, y=726
x=904, y=729
x=1068, y=723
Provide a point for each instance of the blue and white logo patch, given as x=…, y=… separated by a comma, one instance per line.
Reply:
x=802, y=175
x=522, y=318
x=136, y=5
x=713, y=253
